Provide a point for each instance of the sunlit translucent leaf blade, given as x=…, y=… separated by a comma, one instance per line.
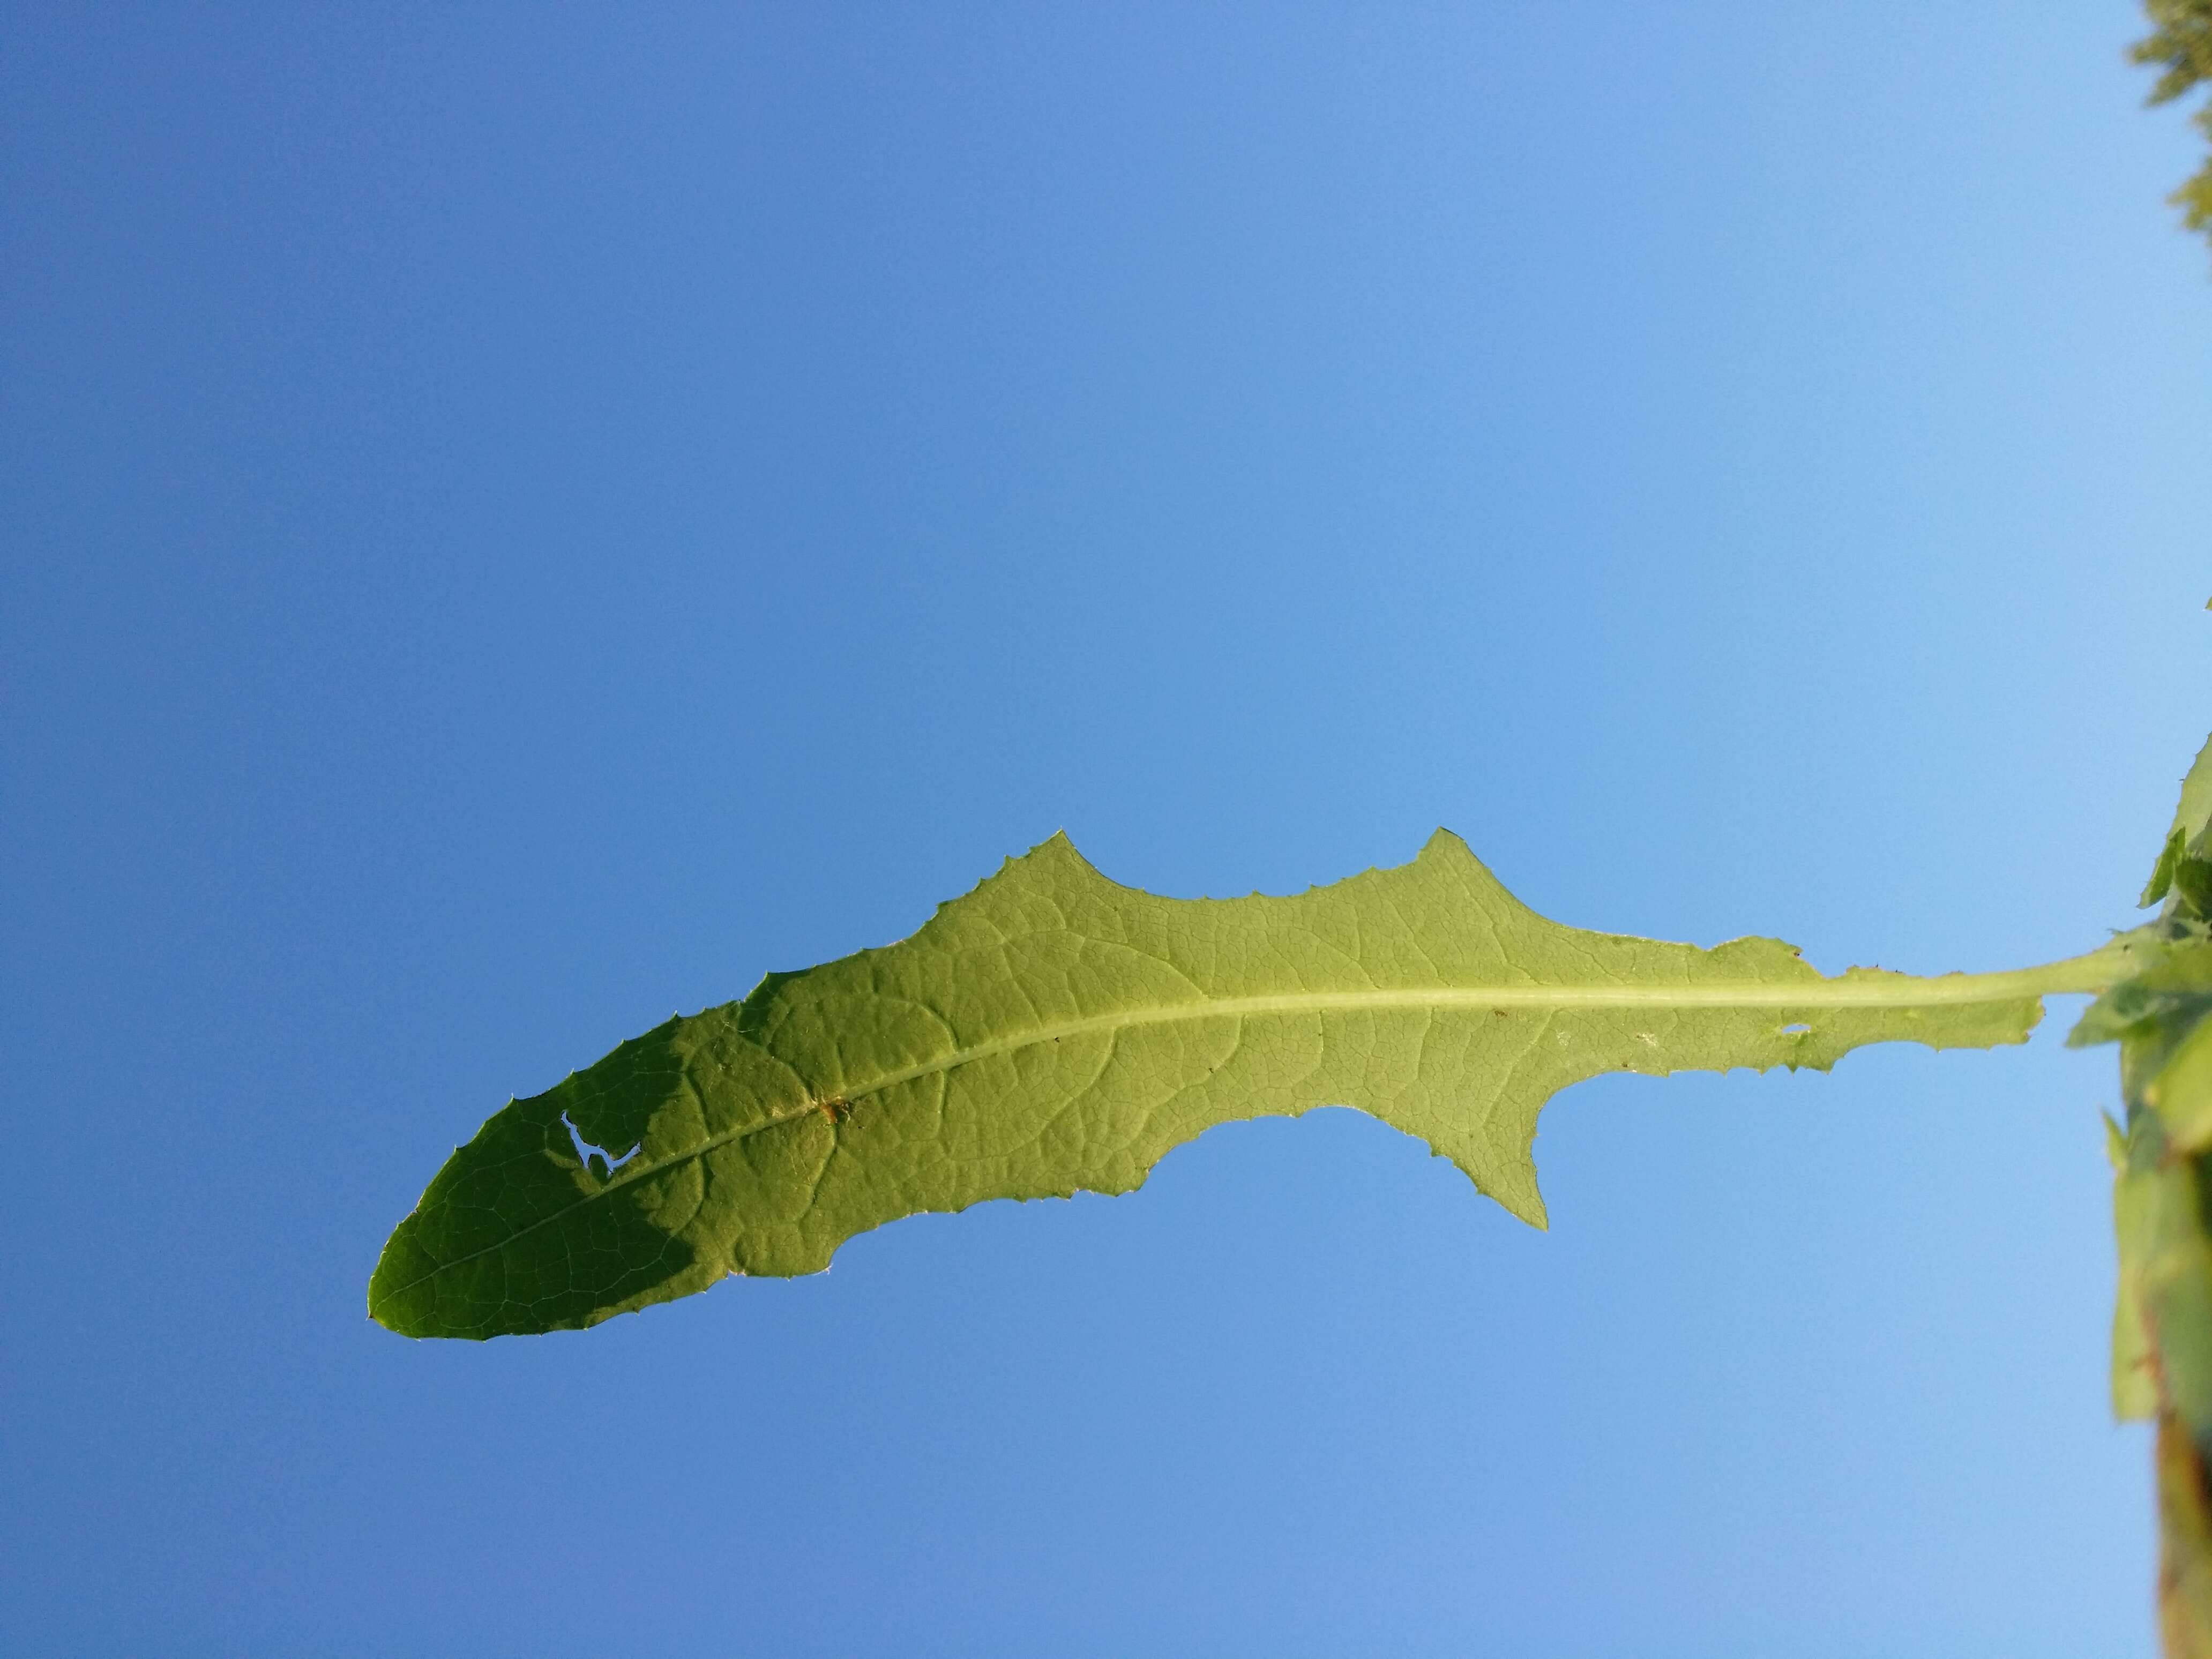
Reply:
x=1053, y=1032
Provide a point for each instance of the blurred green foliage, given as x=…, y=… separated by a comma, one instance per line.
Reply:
x=2181, y=44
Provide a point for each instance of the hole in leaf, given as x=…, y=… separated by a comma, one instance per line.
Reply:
x=1796, y=1031
x=600, y=1162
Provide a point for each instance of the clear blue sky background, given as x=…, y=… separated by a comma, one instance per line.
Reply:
x=517, y=520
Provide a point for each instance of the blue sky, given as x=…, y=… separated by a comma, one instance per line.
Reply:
x=519, y=520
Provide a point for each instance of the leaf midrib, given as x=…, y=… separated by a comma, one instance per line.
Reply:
x=2088, y=973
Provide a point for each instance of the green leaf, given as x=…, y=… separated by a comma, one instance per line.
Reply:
x=2181, y=44
x=2135, y=1196
x=2160, y=1013
x=2162, y=1326
x=2185, y=858
x=2168, y=990
x=1054, y=1032
x=2163, y=1322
